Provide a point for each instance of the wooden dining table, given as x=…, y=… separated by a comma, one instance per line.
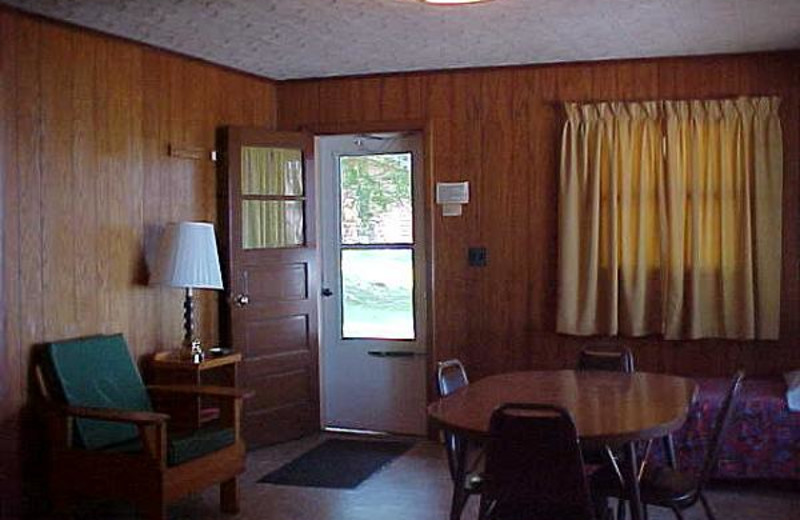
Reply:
x=609, y=409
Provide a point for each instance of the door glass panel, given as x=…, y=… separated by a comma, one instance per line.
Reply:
x=378, y=293
x=271, y=171
x=272, y=223
x=376, y=199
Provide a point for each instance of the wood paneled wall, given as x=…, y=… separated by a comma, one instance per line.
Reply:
x=500, y=130
x=85, y=125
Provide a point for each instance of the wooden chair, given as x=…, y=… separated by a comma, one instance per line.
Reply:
x=108, y=442
x=534, y=468
x=665, y=486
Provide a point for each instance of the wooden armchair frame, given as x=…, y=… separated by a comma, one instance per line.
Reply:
x=143, y=478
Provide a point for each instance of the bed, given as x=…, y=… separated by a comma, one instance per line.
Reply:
x=762, y=441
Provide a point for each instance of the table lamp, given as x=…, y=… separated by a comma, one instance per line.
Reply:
x=187, y=258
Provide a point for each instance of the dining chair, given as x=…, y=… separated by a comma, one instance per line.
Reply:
x=534, y=467
x=451, y=376
x=596, y=357
x=612, y=359
x=666, y=486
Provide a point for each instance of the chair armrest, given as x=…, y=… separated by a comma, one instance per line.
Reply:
x=115, y=415
x=214, y=391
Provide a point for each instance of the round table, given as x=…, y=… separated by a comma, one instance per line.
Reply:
x=608, y=408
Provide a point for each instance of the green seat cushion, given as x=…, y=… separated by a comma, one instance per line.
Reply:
x=98, y=372
x=201, y=442
x=183, y=448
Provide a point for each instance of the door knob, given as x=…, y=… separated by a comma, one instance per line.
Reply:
x=241, y=300
x=327, y=292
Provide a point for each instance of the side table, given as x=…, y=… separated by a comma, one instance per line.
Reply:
x=168, y=368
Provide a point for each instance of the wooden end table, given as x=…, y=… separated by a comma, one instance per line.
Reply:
x=168, y=368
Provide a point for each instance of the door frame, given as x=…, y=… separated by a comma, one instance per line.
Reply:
x=426, y=130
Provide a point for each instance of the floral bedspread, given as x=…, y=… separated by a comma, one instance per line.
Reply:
x=762, y=441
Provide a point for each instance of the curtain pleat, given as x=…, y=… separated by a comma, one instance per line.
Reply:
x=682, y=241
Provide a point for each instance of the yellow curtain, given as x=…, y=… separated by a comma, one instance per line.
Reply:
x=722, y=197
x=608, y=248
x=271, y=172
x=683, y=241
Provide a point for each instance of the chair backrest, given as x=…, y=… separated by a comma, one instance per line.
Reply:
x=450, y=376
x=721, y=423
x=534, y=464
x=96, y=372
x=605, y=358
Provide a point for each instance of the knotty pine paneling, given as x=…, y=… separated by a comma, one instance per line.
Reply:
x=85, y=124
x=500, y=129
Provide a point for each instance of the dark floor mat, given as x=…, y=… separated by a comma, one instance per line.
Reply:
x=337, y=463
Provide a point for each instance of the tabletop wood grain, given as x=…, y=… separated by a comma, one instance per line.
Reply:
x=608, y=407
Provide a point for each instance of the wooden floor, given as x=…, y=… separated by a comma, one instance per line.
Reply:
x=415, y=486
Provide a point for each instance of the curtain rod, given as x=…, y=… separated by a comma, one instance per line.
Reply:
x=651, y=100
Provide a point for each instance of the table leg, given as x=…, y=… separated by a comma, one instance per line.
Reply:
x=669, y=451
x=459, y=480
x=630, y=471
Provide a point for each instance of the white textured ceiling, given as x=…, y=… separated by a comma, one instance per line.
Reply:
x=284, y=39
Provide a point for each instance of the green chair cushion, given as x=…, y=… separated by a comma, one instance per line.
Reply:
x=183, y=448
x=198, y=443
x=98, y=372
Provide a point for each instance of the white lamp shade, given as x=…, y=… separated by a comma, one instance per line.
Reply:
x=187, y=257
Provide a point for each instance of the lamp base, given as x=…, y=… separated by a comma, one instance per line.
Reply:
x=192, y=351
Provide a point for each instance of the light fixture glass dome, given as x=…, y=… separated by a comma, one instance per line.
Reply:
x=452, y=2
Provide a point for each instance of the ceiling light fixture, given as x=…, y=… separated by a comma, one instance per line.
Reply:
x=452, y=2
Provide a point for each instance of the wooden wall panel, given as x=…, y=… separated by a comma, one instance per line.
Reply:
x=500, y=129
x=87, y=183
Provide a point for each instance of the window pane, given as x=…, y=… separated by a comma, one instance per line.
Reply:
x=377, y=293
x=271, y=171
x=272, y=223
x=376, y=199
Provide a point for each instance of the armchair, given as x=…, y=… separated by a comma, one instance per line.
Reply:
x=107, y=441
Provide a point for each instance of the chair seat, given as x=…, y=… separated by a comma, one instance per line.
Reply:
x=530, y=510
x=659, y=485
x=185, y=447
x=596, y=457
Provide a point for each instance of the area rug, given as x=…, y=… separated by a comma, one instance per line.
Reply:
x=337, y=463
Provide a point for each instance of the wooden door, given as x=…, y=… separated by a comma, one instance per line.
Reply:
x=270, y=256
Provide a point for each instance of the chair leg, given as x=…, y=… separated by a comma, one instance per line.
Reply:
x=155, y=510
x=229, y=496
x=707, y=507
x=621, y=509
x=677, y=512
x=62, y=504
x=484, y=508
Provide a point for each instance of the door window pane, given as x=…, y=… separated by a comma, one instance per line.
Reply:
x=376, y=203
x=271, y=171
x=377, y=293
x=272, y=223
